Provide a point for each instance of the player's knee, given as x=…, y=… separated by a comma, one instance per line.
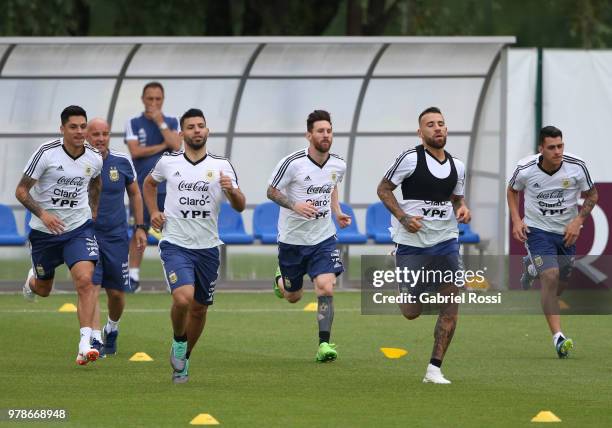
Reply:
x=549, y=277
x=43, y=291
x=293, y=297
x=409, y=313
x=198, y=311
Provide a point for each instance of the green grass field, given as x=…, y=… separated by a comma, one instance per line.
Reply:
x=255, y=366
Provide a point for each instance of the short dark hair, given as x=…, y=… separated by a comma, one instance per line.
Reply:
x=192, y=112
x=549, y=131
x=72, y=111
x=315, y=116
x=429, y=110
x=152, y=85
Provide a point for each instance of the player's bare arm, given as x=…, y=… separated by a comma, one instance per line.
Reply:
x=93, y=191
x=136, y=203
x=343, y=219
x=233, y=194
x=385, y=194
x=572, y=230
x=462, y=212
x=304, y=209
x=137, y=151
x=22, y=193
x=519, y=228
x=149, y=190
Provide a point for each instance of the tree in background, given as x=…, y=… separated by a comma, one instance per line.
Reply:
x=545, y=23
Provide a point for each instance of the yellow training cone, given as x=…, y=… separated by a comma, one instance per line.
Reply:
x=141, y=356
x=563, y=305
x=204, y=419
x=311, y=307
x=394, y=353
x=67, y=307
x=545, y=416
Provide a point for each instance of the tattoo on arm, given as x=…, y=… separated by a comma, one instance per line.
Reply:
x=95, y=187
x=457, y=202
x=23, y=195
x=385, y=194
x=591, y=200
x=280, y=198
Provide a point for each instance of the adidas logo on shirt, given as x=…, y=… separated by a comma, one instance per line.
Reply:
x=307, y=178
x=59, y=168
x=537, y=186
x=177, y=174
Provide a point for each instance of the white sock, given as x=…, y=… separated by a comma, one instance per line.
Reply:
x=135, y=274
x=556, y=337
x=434, y=369
x=96, y=335
x=85, y=339
x=111, y=326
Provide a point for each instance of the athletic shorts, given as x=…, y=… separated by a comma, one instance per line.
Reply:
x=297, y=260
x=548, y=251
x=112, y=268
x=49, y=250
x=433, y=264
x=186, y=266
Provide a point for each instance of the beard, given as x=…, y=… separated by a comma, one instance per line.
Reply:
x=321, y=147
x=436, y=144
x=193, y=145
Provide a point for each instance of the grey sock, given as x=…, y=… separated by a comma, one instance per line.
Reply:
x=325, y=316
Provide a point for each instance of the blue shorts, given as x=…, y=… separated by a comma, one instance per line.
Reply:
x=185, y=266
x=49, y=251
x=297, y=260
x=442, y=257
x=548, y=251
x=112, y=268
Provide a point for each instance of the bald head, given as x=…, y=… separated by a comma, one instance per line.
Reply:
x=98, y=135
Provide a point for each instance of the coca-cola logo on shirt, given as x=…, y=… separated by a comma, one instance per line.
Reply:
x=71, y=181
x=326, y=188
x=198, y=186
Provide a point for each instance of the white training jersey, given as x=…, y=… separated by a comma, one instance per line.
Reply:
x=551, y=199
x=302, y=179
x=62, y=183
x=193, y=198
x=438, y=223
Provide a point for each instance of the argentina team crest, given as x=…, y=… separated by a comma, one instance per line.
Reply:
x=88, y=171
x=172, y=277
x=566, y=183
x=334, y=176
x=210, y=174
x=113, y=174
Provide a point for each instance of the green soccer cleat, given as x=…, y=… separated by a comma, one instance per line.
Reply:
x=276, y=288
x=183, y=375
x=564, y=345
x=178, y=355
x=326, y=353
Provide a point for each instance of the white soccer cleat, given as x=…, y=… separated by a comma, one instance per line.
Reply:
x=28, y=294
x=434, y=375
x=87, y=356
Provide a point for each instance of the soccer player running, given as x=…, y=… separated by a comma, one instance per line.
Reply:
x=196, y=182
x=551, y=182
x=148, y=136
x=61, y=186
x=111, y=272
x=425, y=224
x=304, y=184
